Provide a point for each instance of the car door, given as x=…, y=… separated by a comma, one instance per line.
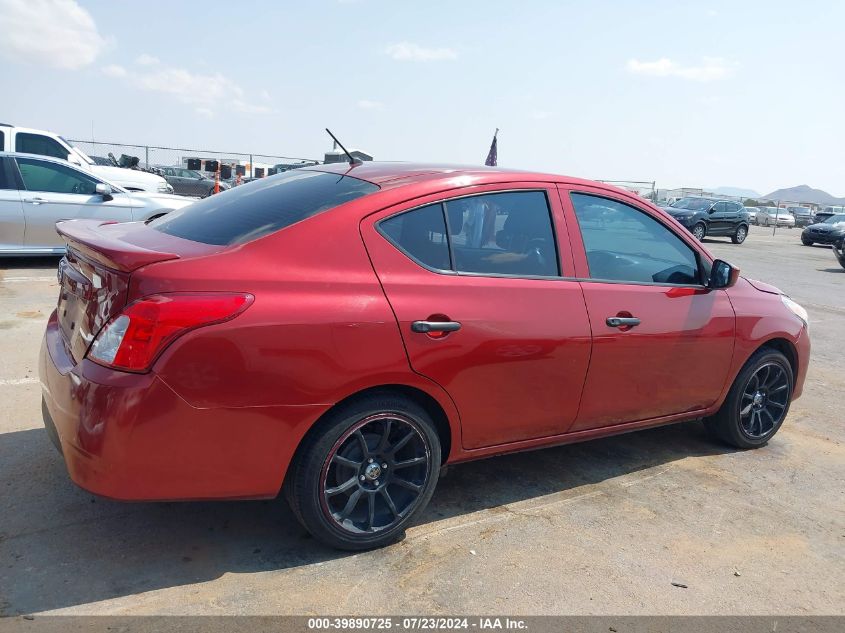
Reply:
x=662, y=341
x=719, y=219
x=483, y=309
x=11, y=209
x=53, y=192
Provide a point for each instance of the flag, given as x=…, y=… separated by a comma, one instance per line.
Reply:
x=493, y=154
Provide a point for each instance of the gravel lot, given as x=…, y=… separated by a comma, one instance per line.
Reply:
x=603, y=527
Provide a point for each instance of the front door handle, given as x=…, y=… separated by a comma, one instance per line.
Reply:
x=622, y=321
x=36, y=200
x=435, y=326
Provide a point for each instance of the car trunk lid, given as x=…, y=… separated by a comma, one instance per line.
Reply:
x=94, y=274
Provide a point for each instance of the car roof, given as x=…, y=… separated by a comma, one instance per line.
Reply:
x=388, y=175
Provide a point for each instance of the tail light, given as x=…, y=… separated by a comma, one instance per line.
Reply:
x=133, y=339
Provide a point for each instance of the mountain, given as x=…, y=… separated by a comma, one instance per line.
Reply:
x=804, y=193
x=736, y=192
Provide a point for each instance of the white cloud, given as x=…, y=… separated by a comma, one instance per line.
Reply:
x=408, y=51
x=146, y=60
x=367, y=104
x=56, y=33
x=206, y=92
x=539, y=115
x=113, y=70
x=710, y=69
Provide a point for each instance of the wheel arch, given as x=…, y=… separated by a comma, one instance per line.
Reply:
x=446, y=432
x=785, y=347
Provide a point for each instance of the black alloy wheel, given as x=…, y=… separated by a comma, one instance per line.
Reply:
x=765, y=400
x=364, y=471
x=757, y=403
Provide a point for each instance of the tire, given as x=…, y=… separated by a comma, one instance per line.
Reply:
x=210, y=193
x=699, y=231
x=740, y=234
x=764, y=222
x=354, y=452
x=745, y=422
x=806, y=242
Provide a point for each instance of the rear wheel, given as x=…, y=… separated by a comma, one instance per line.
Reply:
x=740, y=234
x=359, y=480
x=757, y=402
x=699, y=231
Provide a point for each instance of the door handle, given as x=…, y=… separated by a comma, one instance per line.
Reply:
x=36, y=200
x=622, y=321
x=435, y=326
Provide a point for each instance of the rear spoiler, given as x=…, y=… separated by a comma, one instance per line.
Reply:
x=103, y=243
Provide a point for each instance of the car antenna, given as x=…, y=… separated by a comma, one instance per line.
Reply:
x=352, y=160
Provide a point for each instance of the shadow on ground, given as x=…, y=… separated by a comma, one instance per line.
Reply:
x=14, y=263
x=60, y=546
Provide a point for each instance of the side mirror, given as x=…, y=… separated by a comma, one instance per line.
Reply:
x=102, y=189
x=723, y=275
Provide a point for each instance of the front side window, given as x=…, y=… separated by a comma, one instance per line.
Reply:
x=40, y=175
x=507, y=233
x=628, y=245
x=6, y=181
x=262, y=207
x=39, y=144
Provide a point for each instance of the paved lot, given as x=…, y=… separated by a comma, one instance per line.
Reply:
x=602, y=527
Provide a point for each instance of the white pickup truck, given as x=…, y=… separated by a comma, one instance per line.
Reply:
x=28, y=141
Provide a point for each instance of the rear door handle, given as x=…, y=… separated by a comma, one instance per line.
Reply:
x=36, y=200
x=622, y=321
x=435, y=326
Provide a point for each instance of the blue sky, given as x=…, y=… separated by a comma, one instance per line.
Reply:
x=707, y=93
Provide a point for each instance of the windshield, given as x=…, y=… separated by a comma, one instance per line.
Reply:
x=692, y=204
x=78, y=151
x=262, y=207
x=835, y=219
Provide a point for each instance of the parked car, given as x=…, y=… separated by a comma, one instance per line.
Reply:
x=36, y=192
x=771, y=216
x=28, y=141
x=187, y=182
x=839, y=251
x=827, y=232
x=825, y=213
x=343, y=332
x=752, y=214
x=803, y=215
x=711, y=217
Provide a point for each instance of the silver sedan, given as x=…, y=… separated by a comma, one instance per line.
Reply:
x=37, y=191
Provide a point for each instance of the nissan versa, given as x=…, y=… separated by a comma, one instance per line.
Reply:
x=340, y=333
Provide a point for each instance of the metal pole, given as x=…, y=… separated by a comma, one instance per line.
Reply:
x=147, y=154
x=251, y=167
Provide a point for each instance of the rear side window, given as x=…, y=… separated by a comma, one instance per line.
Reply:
x=259, y=208
x=625, y=244
x=420, y=234
x=39, y=144
x=506, y=233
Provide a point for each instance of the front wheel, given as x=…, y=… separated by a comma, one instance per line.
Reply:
x=739, y=236
x=757, y=402
x=358, y=481
x=699, y=231
x=806, y=242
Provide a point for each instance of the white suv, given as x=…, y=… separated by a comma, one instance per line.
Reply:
x=27, y=141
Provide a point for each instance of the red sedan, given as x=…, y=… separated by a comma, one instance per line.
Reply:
x=340, y=333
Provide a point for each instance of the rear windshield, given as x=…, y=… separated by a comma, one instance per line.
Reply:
x=258, y=208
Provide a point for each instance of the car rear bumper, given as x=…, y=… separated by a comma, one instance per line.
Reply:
x=131, y=437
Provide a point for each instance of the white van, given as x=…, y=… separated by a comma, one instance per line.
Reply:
x=27, y=141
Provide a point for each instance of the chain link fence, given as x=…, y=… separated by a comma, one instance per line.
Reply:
x=156, y=159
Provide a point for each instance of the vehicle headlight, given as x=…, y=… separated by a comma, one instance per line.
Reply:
x=796, y=309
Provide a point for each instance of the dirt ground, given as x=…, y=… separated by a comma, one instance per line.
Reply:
x=603, y=527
